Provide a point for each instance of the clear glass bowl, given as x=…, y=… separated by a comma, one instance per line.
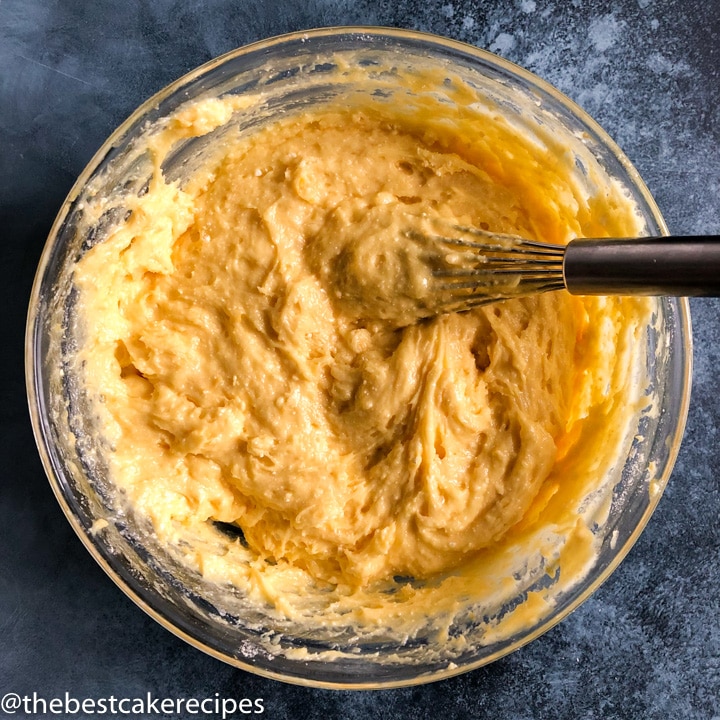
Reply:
x=295, y=72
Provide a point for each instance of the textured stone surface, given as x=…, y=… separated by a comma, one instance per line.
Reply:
x=647, y=644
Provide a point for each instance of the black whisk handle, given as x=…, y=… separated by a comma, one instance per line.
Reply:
x=678, y=266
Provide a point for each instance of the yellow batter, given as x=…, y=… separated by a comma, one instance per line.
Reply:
x=238, y=384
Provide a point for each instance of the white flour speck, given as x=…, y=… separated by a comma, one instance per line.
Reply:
x=603, y=32
x=502, y=43
x=665, y=66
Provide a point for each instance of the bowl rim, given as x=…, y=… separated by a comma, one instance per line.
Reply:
x=369, y=33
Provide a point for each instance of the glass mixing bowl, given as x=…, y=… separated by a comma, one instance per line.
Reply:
x=292, y=73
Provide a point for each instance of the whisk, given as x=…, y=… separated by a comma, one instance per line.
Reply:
x=471, y=267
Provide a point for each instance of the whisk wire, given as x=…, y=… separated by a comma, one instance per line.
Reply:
x=480, y=267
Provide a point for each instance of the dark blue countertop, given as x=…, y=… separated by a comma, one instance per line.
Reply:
x=647, y=644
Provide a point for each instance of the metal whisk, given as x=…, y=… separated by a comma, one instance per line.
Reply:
x=472, y=267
